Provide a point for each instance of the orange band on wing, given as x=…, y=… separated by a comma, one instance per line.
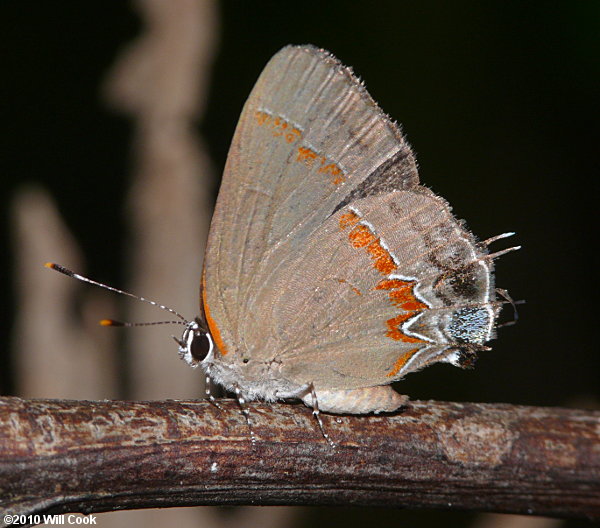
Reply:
x=400, y=292
x=212, y=325
x=361, y=236
x=310, y=158
x=394, y=331
x=401, y=361
x=348, y=219
x=281, y=128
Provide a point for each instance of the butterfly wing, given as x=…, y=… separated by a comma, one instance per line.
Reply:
x=389, y=285
x=309, y=141
x=327, y=262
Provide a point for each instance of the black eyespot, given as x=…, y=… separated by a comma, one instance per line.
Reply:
x=245, y=360
x=200, y=346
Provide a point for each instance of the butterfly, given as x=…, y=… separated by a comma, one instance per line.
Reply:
x=330, y=272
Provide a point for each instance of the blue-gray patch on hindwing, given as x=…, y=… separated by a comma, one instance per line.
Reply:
x=470, y=325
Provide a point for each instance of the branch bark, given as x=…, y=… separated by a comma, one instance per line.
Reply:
x=61, y=456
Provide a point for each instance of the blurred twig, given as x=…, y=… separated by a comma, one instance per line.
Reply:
x=56, y=355
x=161, y=82
x=91, y=456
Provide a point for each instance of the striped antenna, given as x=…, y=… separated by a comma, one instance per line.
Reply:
x=112, y=322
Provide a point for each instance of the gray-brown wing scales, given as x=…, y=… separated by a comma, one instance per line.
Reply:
x=309, y=139
x=368, y=298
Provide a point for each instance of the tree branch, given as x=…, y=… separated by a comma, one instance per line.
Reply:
x=61, y=456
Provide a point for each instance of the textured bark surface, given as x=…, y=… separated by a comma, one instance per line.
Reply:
x=92, y=456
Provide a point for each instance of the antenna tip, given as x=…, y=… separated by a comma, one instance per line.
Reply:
x=61, y=269
x=110, y=322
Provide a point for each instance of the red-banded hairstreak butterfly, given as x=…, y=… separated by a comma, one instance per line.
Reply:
x=330, y=272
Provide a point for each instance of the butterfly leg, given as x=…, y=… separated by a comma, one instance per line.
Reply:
x=504, y=294
x=209, y=395
x=245, y=411
x=317, y=415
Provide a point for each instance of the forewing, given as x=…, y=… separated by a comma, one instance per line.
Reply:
x=309, y=141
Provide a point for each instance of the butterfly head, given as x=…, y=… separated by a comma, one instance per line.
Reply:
x=196, y=344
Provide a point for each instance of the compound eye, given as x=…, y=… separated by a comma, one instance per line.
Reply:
x=200, y=346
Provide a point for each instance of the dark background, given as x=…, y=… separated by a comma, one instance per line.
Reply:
x=499, y=100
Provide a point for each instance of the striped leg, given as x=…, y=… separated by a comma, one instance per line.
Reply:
x=246, y=413
x=209, y=395
x=317, y=415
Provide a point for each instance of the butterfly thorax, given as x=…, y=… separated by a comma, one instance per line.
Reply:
x=255, y=379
